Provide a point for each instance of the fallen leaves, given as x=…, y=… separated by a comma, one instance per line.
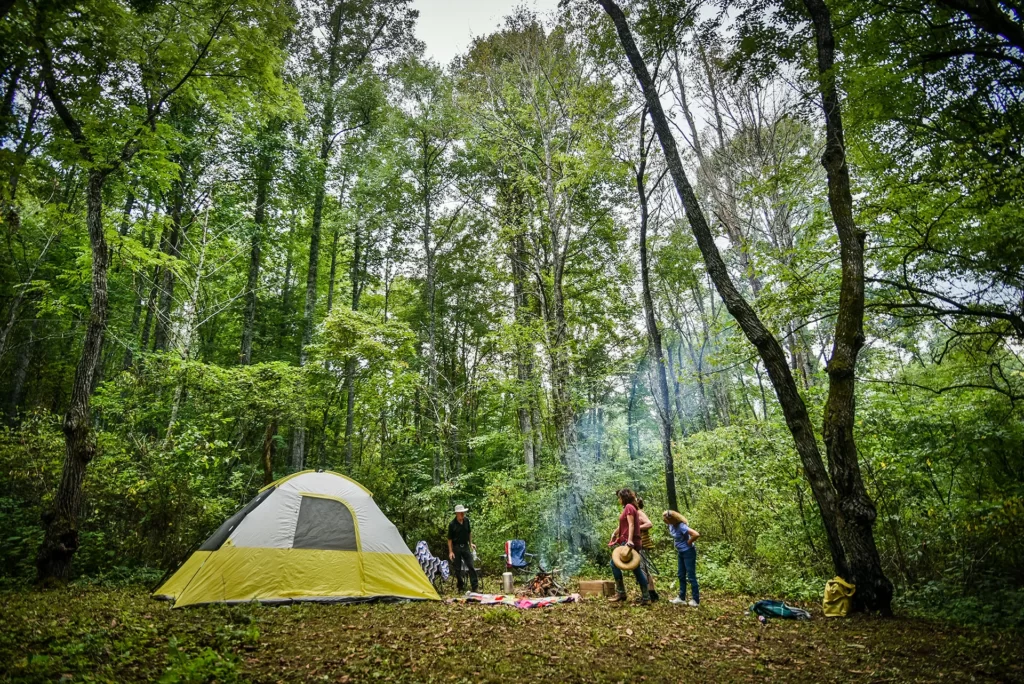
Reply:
x=423, y=641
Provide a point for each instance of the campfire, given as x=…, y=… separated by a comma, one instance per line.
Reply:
x=544, y=585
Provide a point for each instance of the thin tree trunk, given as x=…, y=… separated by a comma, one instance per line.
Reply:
x=188, y=328
x=151, y=302
x=60, y=541
x=268, y=452
x=874, y=590
x=334, y=270
x=653, y=334
x=21, y=366
x=524, y=369
x=631, y=446
x=355, y=271
x=771, y=352
x=286, y=287
x=326, y=145
x=136, y=310
x=724, y=199
x=161, y=338
x=252, y=282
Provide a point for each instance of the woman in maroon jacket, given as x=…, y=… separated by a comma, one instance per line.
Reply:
x=628, y=534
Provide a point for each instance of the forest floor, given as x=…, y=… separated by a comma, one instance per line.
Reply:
x=121, y=635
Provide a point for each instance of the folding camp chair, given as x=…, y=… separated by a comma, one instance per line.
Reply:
x=517, y=560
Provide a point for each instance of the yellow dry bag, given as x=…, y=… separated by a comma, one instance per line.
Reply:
x=838, y=597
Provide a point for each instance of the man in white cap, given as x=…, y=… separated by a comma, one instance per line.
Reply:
x=460, y=543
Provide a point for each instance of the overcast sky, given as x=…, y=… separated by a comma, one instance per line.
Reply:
x=447, y=26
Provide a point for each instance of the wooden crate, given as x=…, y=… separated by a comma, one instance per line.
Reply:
x=597, y=588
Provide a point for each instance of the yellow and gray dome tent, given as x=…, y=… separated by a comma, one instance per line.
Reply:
x=310, y=536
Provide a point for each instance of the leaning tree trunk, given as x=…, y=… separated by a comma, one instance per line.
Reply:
x=874, y=590
x=60, y=541
x=769, y=349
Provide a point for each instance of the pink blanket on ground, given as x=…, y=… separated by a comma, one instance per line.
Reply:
x=514, y=601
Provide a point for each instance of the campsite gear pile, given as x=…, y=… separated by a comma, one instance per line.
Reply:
x=838, y=597
x=310, y=536
x=778, y=609
x=544, y=585
x=523, y=602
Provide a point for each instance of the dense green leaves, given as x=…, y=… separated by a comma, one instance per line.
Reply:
x=475, y=331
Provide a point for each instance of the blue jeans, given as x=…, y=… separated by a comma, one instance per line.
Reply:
x=686, y=568
x=641, y=579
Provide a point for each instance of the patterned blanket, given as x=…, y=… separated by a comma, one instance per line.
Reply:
x=432, y=565
x=514, y=601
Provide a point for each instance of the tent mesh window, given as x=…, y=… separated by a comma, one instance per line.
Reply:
x=324, y=524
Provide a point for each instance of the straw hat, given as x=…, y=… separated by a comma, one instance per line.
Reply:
x=625, y=558
x=459, y=508
x=673, y=517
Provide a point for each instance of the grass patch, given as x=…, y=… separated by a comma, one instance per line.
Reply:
x=121, y=635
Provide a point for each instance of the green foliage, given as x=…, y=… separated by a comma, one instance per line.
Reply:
x=475, y=301
x=206, y=666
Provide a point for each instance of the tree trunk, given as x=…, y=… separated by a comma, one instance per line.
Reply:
x=524, y=368
x=769, y=349
x=308, y=311
x=874, y=590
x=186, y=339
x=161, y=338
x=326, y=145
x=350, y=365
x=286, y=286
x=252, y=283
x=60, y=541
x=268, y=452
x=133, y=331
x=631, y=446
x=350, y=409
x=151, y=302
x=334, y=270
x=21, y=366
x=724, y=198
x=653, y=334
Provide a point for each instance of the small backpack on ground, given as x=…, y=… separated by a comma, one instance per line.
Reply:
x=838, y=597
x=779, y=609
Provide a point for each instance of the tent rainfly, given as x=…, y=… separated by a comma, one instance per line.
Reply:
x=310, y=536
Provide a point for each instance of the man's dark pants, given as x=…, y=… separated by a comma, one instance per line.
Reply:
x=463, y=553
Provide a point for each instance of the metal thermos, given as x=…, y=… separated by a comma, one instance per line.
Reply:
x=506, y=582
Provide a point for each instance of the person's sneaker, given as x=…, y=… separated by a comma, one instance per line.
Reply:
x=678, y=601
x=693, y=604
